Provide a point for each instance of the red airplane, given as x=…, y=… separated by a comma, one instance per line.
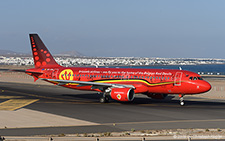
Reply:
x=120, y=84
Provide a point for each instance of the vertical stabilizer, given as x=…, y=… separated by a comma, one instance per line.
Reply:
x=42, y=57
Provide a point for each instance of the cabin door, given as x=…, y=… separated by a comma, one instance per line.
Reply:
x=177, y=79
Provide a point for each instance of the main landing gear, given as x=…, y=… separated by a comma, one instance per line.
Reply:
x=181, y=99
x=105, y=96
x=104, y=99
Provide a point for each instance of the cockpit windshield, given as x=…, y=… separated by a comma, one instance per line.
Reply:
x=195, y=78
x=200, y=78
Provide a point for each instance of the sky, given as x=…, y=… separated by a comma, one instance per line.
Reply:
x=117, y=28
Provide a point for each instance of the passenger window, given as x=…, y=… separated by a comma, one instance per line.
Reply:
x=159, y=77
x=195, y=78
x=156, y=77
x=191, y=78
x=151, y=77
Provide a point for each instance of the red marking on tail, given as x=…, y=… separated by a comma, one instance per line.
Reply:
x=42, y=57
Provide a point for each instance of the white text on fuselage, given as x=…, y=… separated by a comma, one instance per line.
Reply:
x=126, y=72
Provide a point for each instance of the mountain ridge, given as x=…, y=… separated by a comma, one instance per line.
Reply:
x=9, y=53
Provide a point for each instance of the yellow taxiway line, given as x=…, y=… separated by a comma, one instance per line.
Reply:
x=10, y=97
x=14, y=104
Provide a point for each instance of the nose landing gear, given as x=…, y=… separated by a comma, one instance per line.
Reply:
x=181, y=99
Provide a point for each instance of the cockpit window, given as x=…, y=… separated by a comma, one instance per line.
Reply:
x=195, y=78
x=200, y=78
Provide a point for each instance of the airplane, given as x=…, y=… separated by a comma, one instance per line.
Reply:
x=120, y=84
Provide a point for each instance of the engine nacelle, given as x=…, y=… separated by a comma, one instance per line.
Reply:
x=157, y=96
x=122, y=94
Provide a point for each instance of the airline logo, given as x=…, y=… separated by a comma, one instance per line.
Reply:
x=66, y=74
x=118, y=96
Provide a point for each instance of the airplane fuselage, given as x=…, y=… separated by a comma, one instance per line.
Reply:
x=147, y=81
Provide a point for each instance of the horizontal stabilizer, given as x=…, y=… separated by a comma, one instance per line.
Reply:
x=25, y=71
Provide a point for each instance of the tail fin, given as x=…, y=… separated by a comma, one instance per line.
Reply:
x=42, y=57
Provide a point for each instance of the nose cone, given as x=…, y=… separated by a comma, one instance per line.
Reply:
x=204, y=86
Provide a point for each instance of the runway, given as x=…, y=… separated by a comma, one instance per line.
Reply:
x=57, y=110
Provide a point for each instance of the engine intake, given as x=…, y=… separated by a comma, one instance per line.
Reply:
x=122, y=94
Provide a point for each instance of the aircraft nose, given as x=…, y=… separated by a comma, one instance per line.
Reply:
x=205, y=86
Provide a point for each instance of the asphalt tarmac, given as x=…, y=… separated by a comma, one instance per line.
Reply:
x=141, y=114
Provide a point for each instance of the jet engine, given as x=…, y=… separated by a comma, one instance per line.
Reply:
x=122, y=94
x=157, y=96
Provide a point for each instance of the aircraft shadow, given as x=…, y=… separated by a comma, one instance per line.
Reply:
x=145, y=100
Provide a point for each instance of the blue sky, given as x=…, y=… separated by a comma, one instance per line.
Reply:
x=139, y=28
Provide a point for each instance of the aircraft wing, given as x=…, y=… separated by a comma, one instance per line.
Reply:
x=95, y=85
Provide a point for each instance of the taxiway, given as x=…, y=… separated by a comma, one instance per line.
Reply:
x=28, y=109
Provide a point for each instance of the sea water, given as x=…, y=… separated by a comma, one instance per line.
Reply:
x=211, y=69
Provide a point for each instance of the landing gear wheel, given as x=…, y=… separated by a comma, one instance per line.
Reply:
x=181, y=100
x=104, y=100
x=182, y=103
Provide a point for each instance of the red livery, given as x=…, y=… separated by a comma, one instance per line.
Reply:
x=118, y=83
